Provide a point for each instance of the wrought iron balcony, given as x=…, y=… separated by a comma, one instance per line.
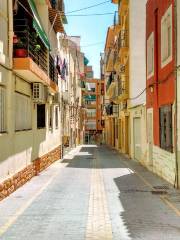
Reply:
x=28, y=44
x=58, y=5
x=123, y=87
x=110, y=80
x=53, y=73
x=123, y=39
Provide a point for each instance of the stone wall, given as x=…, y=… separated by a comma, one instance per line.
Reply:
x=164, y=164
x=20, y=178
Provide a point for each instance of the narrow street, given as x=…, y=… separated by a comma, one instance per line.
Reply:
x=94, y=193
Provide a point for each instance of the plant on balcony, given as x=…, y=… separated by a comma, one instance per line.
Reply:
x=35, y=43
x=20, y=48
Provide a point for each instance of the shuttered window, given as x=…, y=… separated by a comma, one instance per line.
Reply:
x=166, y=128
x=2, y=109
x=4, y=25
x=23, y=110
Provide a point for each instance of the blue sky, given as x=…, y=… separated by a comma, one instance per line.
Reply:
x=92, y=29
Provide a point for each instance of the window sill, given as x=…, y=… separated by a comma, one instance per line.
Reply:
x=3, y=133
x=23, y=130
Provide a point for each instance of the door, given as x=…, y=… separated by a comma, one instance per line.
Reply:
x=150, y=138
x=137, y=138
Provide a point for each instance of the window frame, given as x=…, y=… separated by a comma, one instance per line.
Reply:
x=166, y=48
x=3, y=129
x=167, y=143
x=150, y=55
x=44, y=125
x=24, y=121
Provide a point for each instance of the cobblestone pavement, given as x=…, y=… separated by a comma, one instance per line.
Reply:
x=94, y=193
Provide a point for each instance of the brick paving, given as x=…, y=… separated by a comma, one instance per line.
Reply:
x=94, y=193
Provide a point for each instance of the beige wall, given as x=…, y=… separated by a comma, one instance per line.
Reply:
x=18, y=149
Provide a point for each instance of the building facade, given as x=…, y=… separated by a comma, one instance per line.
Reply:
x=161, y=82
x=29, y=86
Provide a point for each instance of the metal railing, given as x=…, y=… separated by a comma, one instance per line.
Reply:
x=122, y=86
x=28, y=40
x=58, y=5
x=123, y=39
x=110, y=80
x=53, y=73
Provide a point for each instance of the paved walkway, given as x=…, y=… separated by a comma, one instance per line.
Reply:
x=94, y=193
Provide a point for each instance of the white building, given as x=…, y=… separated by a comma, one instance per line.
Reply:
x=137, y=80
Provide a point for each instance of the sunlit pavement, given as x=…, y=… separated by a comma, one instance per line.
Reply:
x=94, y=193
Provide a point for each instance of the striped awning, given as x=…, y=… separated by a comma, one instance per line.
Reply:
x=37, y=24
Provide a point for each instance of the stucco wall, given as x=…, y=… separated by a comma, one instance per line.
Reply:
x=139, y=112
x=18, y=149
x=137, y=51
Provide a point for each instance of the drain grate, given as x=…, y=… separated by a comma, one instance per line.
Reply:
x=161, y=187
x=159, y=192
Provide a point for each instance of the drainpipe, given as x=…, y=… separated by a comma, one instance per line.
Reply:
x=176, y=181
x=10, y=32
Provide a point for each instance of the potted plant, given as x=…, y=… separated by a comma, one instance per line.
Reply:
x=36, y=45
x=20, y=49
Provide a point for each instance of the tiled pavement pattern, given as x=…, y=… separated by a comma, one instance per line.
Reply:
x=93, y=186
x=99, y=225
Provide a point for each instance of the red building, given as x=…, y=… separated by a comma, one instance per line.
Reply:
x=160, y=51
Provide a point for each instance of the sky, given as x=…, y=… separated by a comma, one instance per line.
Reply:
x=92, y=29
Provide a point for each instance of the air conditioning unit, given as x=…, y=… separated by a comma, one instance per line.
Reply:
x=39, y=93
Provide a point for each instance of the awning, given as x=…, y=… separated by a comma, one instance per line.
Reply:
x=55, y=18
x=37, y=24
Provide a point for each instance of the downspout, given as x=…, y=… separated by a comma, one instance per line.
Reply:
x=176, y=181
x=10, y=32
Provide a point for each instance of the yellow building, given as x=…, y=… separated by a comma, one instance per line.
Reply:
x=117, y=87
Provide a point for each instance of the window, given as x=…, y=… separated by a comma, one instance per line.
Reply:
x=22, y=112
x=41, y=116
x=150, y=55
x=91, y=124
x=4, y=25
x=166, y=128
x=50, y=117
x=91, y=112
x=2, y=109
x=57, y=117
x=166, y=37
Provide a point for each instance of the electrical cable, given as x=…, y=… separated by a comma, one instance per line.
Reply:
x=92, y=6
x=89, y=15
x=93, y=44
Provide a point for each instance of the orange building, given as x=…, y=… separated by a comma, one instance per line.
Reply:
x=93, y=103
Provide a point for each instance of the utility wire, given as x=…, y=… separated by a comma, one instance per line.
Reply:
x=93, y=44
x=92, y=6
x=88, y=15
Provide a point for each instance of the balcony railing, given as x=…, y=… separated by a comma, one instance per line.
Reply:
x=122, y=87
x=110, y=80
x=53, y=73
x=123, y=39
x=28, y=41
x=58, y=5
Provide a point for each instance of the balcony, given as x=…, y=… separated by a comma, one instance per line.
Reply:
x=110, y=60
x=123, y=42
x=30, y=56
x=110, y=86
x=58, y=5
x=123, y=88
x=57, y=15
